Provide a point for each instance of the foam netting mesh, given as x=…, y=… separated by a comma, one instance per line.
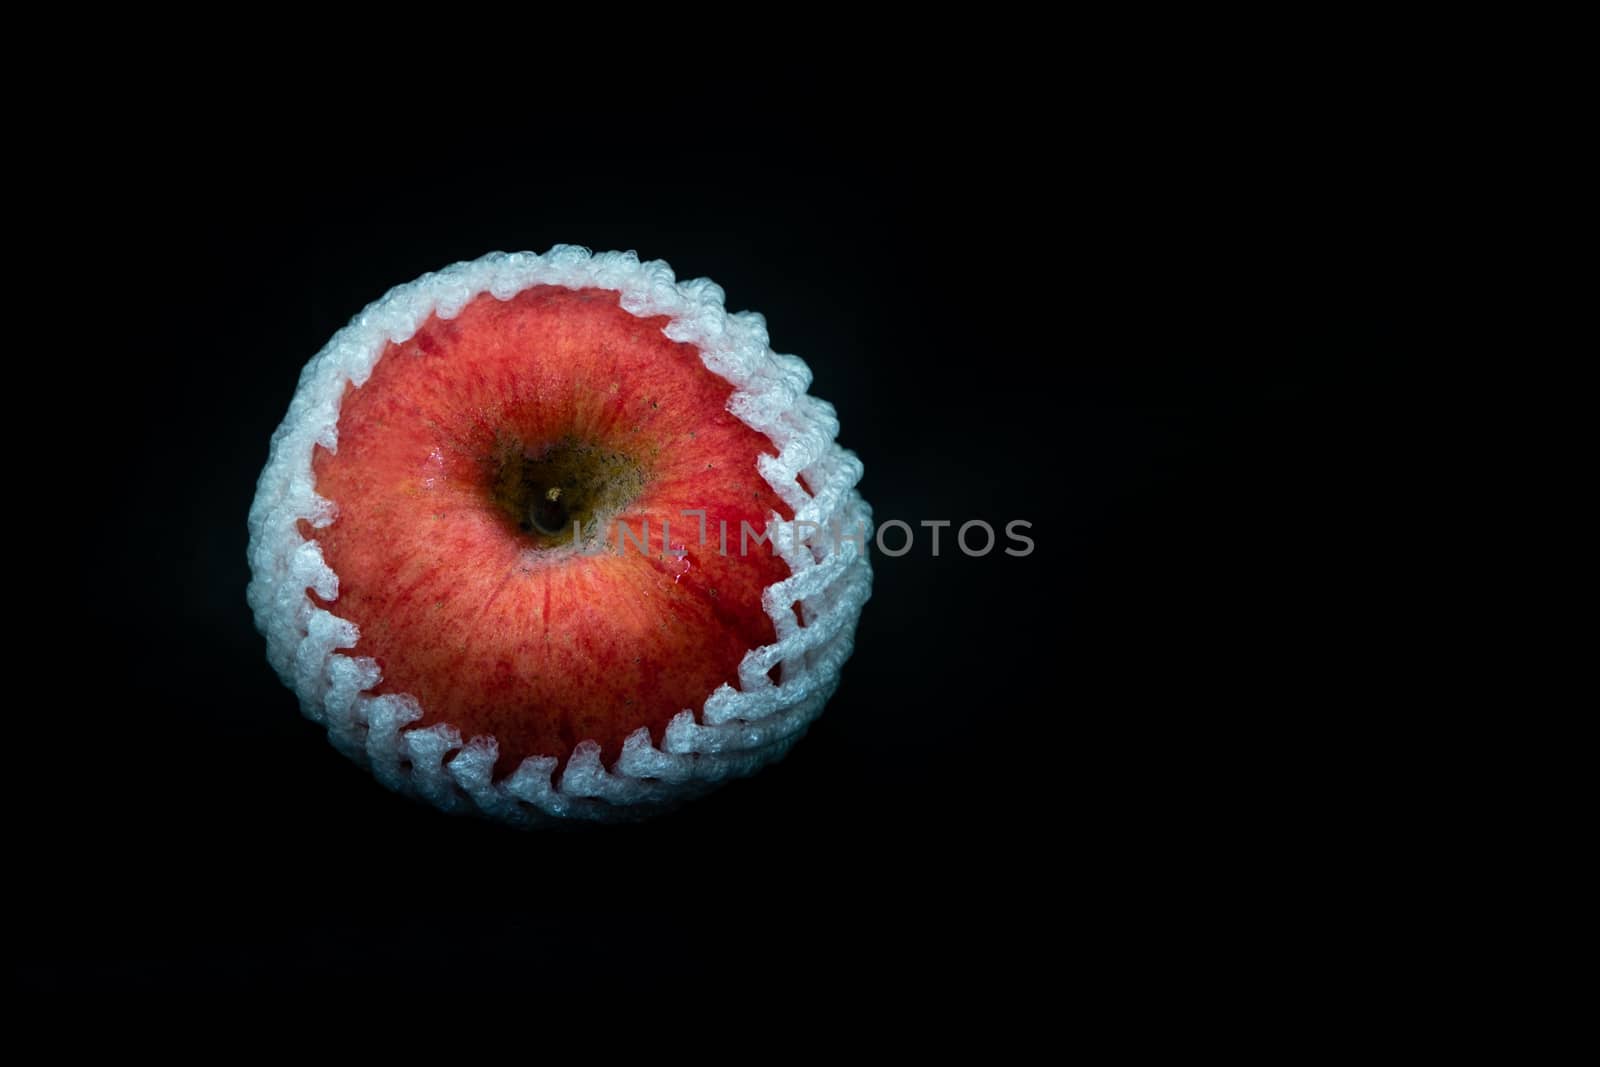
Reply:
x=738, y=729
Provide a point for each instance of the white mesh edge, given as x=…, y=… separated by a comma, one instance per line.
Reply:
x=738, y=730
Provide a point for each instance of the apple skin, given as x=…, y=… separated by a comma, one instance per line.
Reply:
x=404, y=576
x=544, y=647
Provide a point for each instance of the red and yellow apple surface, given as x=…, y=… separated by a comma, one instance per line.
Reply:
x=556, y=536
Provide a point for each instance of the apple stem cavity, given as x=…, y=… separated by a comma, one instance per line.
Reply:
x=551, y=493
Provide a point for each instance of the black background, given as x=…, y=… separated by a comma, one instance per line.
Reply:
x=1155, y=340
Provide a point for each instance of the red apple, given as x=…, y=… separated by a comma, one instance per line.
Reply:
x=505, y=545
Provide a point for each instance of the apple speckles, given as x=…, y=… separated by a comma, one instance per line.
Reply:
x=523, y=403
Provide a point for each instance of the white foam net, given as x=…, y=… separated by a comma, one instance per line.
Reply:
x=738, y=729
